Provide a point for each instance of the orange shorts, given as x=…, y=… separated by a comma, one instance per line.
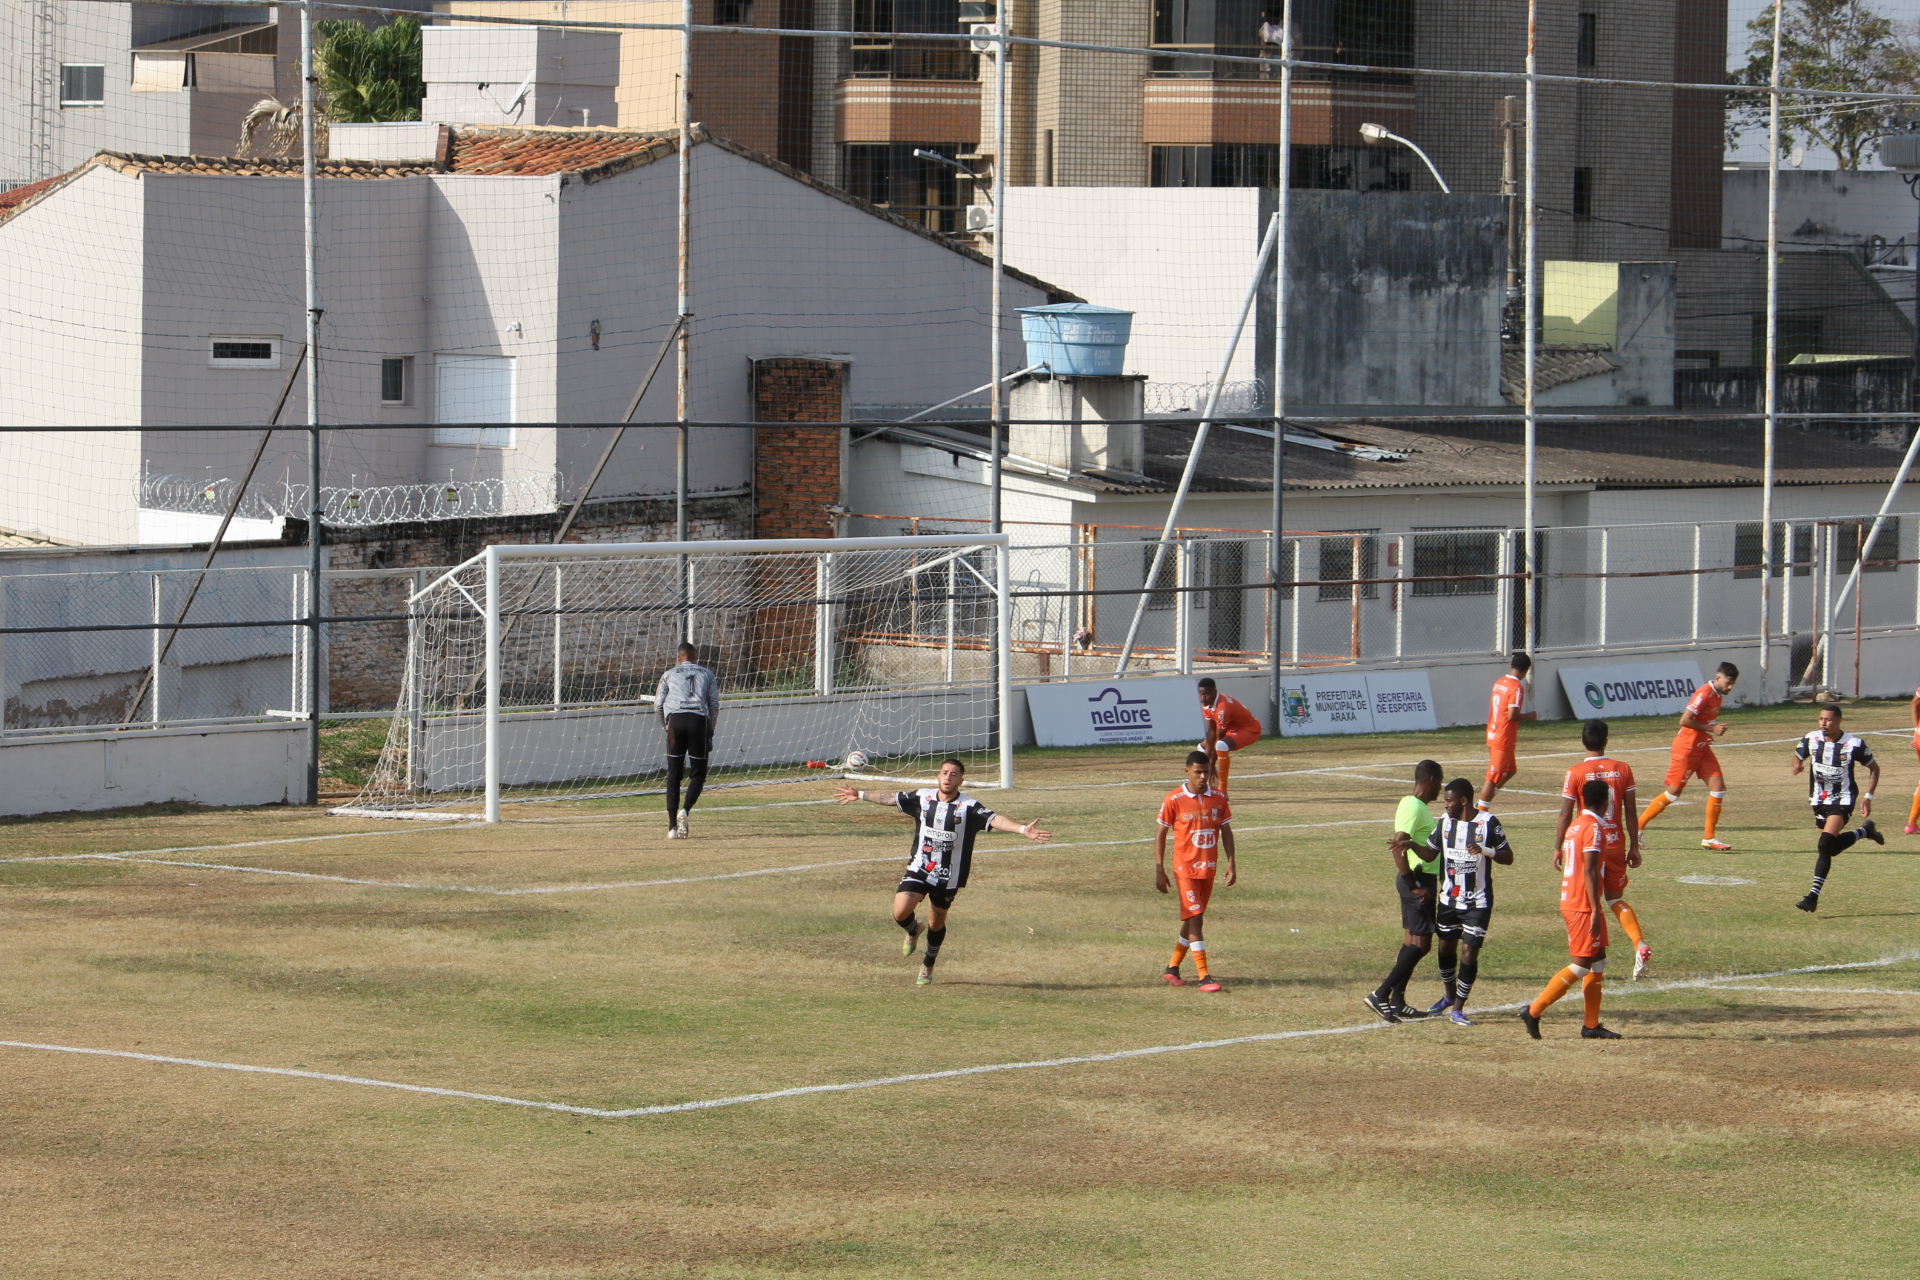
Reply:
x=1239, y=739
x=1193, y=895
x=1613, y=876
x=1500, y=761
x=1698, y=761
x=1580, y=932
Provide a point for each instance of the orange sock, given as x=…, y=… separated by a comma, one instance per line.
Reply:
x=1591, y=990
x=1713, y=815
x=1629, y=921
x=1653, y=810
x=1558, y=985
x=1179, y=954
x=1913, y=814
x=1199, y=950
x=1223, y=765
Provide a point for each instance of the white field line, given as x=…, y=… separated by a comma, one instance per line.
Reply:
x=1823, y=991
x=133, y=854
x=849, y=1086
x=539, y=890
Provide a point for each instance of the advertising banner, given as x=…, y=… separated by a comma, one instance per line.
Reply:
x=1644, y=689
x=1356, y=702
x=1081, y=713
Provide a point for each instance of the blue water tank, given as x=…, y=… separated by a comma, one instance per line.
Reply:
x=1077, y=338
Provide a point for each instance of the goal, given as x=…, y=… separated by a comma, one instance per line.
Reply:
x=531, y=670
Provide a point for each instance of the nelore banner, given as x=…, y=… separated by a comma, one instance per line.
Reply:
x=1644, y=689
x=1081, y=713
x=1359, y=702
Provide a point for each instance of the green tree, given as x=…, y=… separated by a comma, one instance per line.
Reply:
x=1835, y=45
x=372, y=75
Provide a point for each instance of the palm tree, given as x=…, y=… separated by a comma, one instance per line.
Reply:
x=365, y=76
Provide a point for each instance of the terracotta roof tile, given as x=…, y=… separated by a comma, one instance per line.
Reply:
x=10, y=200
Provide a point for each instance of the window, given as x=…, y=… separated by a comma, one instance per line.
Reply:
x=1746, y=549
x=395, y=379
x=1589, y=38
x=1583, y=193
x=244, y=352
x=1162, y=596
x=890, y=175
x=1886, y=546
x=474, y=389
x=732, y=13
x=1800, y=334
x=83, y=84
x=1336, y=562
x=1451, y=552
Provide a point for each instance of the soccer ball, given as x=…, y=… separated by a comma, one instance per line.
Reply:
x=856, y=760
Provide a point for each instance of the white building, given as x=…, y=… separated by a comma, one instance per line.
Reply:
x=495, y=280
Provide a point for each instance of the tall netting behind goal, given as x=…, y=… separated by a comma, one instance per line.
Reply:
x=531, y=671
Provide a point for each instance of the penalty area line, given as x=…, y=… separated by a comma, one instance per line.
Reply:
x=849, y=1086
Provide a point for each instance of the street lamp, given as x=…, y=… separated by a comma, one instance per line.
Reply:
x=1375, y=133
x=923, y=154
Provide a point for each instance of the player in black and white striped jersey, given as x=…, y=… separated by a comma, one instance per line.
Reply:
x=1833, y=754
x=945, y=823
x=1467, y=844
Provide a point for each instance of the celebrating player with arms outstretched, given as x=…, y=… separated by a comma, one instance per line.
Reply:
x=1693, y=754
x=1622, y=849
x=1504, y=715
x=1198, y=817
x=945, y=824
x=1580, y=852
x=1830, y=790
x=1230, y=728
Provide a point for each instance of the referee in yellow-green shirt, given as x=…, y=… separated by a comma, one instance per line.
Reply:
x=1418, y=874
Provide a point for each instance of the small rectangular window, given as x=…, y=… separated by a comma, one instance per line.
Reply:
x=1885, y=548
x=1460, y=558
x=1583, y=193
x=83, y=84
x=1336, y=562
x=1167, y=579
x=394, y=371
x=1589, y=38
x=245, y=353
x=733, y=13
x=1746, y=549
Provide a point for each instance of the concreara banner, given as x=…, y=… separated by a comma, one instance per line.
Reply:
x=1370, y=702
x=1644, y=689
x=1082, y=713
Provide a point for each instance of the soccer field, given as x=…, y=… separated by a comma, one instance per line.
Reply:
x=1753, y=1127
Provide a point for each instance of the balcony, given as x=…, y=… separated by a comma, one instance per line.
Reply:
x=1198, y=112
x=898, y=110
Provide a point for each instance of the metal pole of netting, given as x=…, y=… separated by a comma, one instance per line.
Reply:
x=1863, y=547
x=1199, y=443
x=1003, y=612
x=1771, y=392
x=1528, y=339
x=685, y=291
x=1284, y=179
x=492, y=809
x=307, y=198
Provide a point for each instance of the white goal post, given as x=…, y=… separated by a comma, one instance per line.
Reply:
x=530, y=670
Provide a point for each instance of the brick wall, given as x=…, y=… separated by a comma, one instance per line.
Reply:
x=797, y=469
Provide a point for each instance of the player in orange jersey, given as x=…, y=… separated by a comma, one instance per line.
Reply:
x=1913, y=814
x=1504, y=715
x=1230, y=728
x=1198, y=816
x=1693, y=754
x=1622, y=849
x=1580, y=898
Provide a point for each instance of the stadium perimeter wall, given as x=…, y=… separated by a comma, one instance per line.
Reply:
x=231, y=765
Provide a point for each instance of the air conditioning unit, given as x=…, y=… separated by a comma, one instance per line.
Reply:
x=980, y=219
x=1901, y=151
x=984, y=36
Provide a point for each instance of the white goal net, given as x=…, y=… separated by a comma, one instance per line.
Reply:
x=531, y=671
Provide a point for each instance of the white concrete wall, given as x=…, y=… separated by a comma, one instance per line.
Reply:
x=1179, y=258
x=244, y=765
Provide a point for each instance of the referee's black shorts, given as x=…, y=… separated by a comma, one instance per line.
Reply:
x=1416, y=917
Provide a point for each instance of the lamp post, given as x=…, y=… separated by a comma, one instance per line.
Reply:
x=1375, y=134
